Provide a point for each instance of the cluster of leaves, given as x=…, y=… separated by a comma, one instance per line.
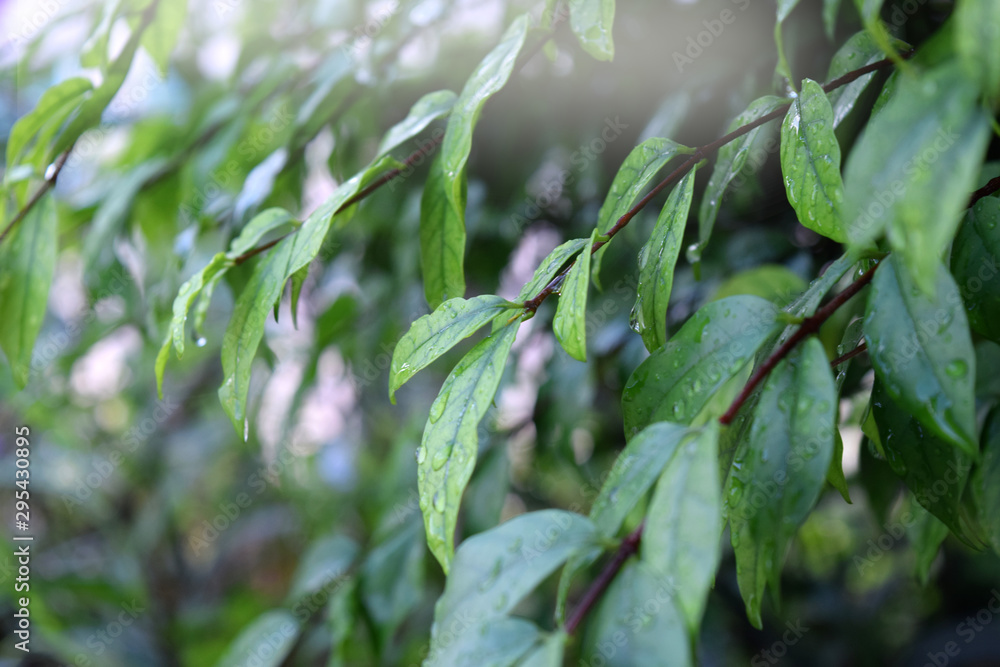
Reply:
x=731, y=420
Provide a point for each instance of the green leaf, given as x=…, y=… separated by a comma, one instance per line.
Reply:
x=489, y=77
x=550, y=266
x=570, y=324
x=252, y=232
x=810, y=162
x=298, y=278
x=835, y=473
x=392, y=578
x=926, y=533
x=27, y=265
x=678, y=379
x=115, y=210
x=323, y=567
x=265, y=642
x=977, y=38
x=493, y=571
x=933, y=470
x=920, y=347
x=93, y=107
x=780, y=469
x=442, y=239
x=643, y=163
x=986, y=480
x=868, y=9
x=639, y=606
x=913, y=167
x=730, y=161
x=94, y=52
x=684, y=522
x=426, y=110
x=203, y=284
x=434, y=334
x=635, y=173
x=974, y=256
x=858, y=51
x=633, y=474
x=160, y=38
x=657, y=260
x=245, y=330
x=591, y=21
x=547, y=654
x=500, y=641
x=774, y=282
x=785, y=8
x=831, y=8
x=448, y=451
x=53, y=106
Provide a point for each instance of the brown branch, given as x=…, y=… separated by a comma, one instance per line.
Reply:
x=809, y=326
x=629, y=546
x=985, y=191
x=849, y=355
x=47, y=185
x=699, y=154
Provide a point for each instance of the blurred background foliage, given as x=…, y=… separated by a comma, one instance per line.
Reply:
x=162, y=538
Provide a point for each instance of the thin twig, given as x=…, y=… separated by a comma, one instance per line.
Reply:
x=809, y=326
x=849, y=355
x=629, y=546
x=699, y=154
x=992, y=186
x=47, y=185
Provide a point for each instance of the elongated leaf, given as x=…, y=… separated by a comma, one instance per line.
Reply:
x=115, y=210
x=493, y=571
x=547, y=654
x=630, y=478
x=912, y=169
x=684, y=522
x=426, y=110
x=638, y=617
x=442, y=239
x=678, y=380
x=643, y=163
x=785, y=8
x=245, y=330
x=500, y=641
x=920, y=347
x=53, y=106
x=434, y=334
x=858, y=51
x=774, y=282
x=986, y=481
x=831, y=8
x=591, y=21
x=977, y=38
x=392, y=578
x=926, y=533
x=810, y=162
x=450, y=444
x=93, y=107
x=550, y=266
x=489, y=77
x=730, y=161
x=933, y=470
x=265, y=642
x=780, y=469
x=203, y=284
x=974, y=256
x=570, y=324
x=868, y=9
x=638, y=169
x=160, y=38
x=27, y=265
x=657, y=260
